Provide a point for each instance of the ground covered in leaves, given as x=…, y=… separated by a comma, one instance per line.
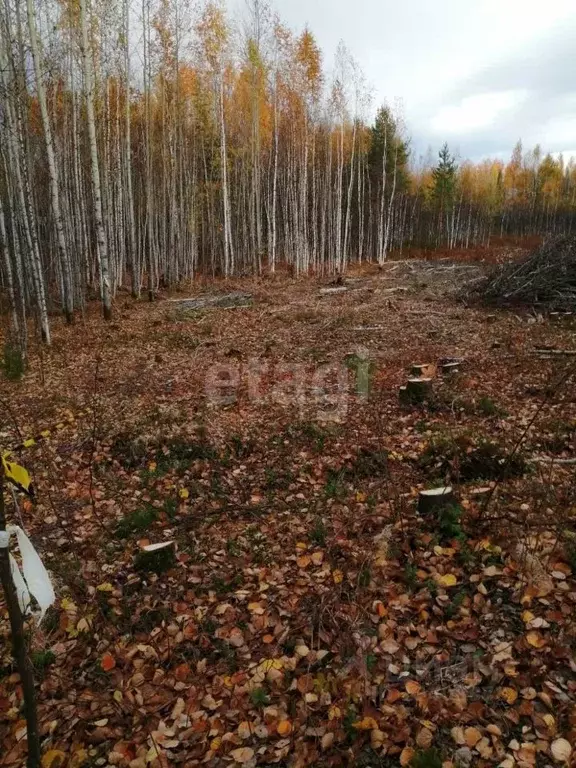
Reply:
x=305, y=614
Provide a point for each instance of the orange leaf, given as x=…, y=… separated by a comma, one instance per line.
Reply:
x=366, y=724
x=472, y=736
x=406, y=756
x=303, y=561
x=181, y=672
x=284, y=727
x=108, y=662
x=412, y=687
x=268, y=639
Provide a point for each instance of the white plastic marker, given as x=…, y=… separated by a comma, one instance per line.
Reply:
x=33, y=580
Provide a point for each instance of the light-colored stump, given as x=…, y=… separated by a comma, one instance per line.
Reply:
x=434, y=499
x=424, y=370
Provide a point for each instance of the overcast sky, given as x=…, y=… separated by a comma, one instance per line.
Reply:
x=479, y=74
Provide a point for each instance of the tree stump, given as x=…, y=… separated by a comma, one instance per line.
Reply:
x=156, y=558
x=434, y=499
x=423, y=370
x=449, y=365
x=416, y=390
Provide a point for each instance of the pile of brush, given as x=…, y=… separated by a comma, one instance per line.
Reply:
x=546, y=277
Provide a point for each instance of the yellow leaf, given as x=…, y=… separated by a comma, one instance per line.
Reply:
x=17, y=476
x=68, y=605
x=536, y=640
x=152, y=466
x=54, y=758
x=118, y=696
x=527, y=616
x=215, y=744
x=337, y=576
x=29, y=443
x=105, y=587
x=184, y=493
x=366, y=724
x=334, y=713
x=361, y=497
x=447, y=580
x=284, y=727
x=45, y=433
x=78, y=758
x=509, y=695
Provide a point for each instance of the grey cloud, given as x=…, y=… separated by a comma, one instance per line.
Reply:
x=545, y=71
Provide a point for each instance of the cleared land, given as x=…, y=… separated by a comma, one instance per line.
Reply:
x=307, y=614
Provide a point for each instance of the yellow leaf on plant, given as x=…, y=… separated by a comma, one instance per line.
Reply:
x=509, y=695
x=337, y=576
x=54, y=758
x=366, y=724
x=284, y=727
x=68, y=605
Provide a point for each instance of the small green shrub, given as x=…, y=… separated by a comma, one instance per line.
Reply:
x=41, y=660
x=426, y=758
x=319, y=532
x=136, y=522
x=12, y=364
x=259, y=697
x=449, y=523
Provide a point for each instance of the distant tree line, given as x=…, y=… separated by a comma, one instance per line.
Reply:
x=141, y=143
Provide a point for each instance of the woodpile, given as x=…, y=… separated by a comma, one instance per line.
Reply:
x=546, y=277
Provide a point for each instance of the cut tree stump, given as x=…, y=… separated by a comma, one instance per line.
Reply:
x=424, y=370
x=416, y=390
x=156, y=558
x=450, y=365
x=434, y=499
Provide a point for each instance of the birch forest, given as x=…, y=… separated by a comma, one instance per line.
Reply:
x=143, y=143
